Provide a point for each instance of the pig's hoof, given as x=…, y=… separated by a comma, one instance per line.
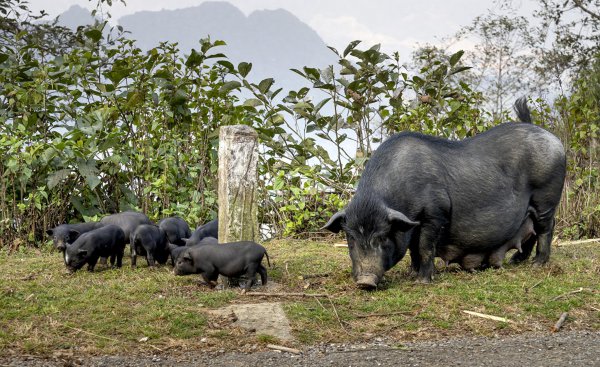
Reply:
x=424, y=280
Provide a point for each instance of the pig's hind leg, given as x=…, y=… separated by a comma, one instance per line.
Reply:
x=263, y=274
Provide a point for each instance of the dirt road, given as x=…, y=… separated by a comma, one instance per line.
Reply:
x=532, y=350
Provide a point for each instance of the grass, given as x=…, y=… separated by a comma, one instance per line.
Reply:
x=45, y=310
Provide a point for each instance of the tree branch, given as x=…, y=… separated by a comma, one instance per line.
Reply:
x=579, y=4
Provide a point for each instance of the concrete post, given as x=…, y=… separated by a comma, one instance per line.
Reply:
x=238, y=158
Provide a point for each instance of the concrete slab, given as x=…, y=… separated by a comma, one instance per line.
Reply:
x=262, y=318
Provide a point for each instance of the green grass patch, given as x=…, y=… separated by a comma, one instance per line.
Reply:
x=44, y=309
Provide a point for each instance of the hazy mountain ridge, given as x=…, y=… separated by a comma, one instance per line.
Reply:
x=273, y=40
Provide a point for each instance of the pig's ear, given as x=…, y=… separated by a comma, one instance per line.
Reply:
x=73, y=234
x=82, y=252
x=401, y=221
x=187, y=257
x=185, y=240
x=50, y=232
x=335, y=223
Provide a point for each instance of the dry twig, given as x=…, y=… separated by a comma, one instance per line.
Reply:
x=581, y=289
x=283, y=349
x=320, y=275
x=560, y=322
x=382, y=314
x=90, y=333
x=280, y=294
x=533, y=286
x=336, y=313
x=490, y=317
x=319, y=302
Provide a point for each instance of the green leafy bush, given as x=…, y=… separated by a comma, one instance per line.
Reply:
x=99, y=126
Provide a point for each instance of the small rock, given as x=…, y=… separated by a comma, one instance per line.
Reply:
x=144, y=339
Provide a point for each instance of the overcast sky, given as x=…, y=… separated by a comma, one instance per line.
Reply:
x=399, y=25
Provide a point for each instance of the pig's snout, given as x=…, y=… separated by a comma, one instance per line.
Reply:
x=367, y=281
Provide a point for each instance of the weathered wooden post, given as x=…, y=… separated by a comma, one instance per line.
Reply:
x=238, y=158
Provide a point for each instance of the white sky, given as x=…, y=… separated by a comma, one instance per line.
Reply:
x=399, y=25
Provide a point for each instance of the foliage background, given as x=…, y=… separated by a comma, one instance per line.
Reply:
x=90, y=124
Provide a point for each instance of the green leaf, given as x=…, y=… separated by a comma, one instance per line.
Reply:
x=456, y=57
x=299, y=72
x=244, y=68
x=88, y=170
x=94, y=34
x=3, y=57
x=252, y=102
x=265, y=84
x=459, y=69
x=229, y=86
x=55, y=177
x=194, y=59
x=227, y=65
x=351, y=47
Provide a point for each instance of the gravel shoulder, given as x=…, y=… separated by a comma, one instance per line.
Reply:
x=531, y=350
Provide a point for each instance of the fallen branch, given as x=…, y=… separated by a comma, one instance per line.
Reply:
x=560, y=322
x=283, y=349
x=482, y=315
x=568, y=294
x=340, y=245
x=578, y=242
x=263, y=294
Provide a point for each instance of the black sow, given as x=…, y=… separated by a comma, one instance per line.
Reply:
x=454, y=199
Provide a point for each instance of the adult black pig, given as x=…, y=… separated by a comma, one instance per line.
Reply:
x=128, y=221
x=235, y=259
x=466, y=197
x=176, y=229
x=106, y=241
x=176, y=251
x=150, y=241
x=210, y=229
x=66, y=234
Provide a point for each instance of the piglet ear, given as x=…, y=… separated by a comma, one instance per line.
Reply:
x=73, y=234
x=335, y=223
x=397, y=218
x=82, y=251
x=50, y=232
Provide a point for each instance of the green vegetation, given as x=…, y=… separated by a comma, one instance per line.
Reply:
x=47, y=310
x=90, y=124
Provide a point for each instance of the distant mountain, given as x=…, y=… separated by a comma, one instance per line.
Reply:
x=273, y=40
x=75, y=16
